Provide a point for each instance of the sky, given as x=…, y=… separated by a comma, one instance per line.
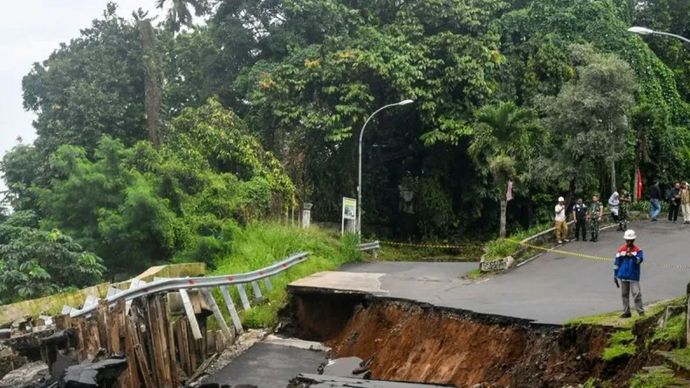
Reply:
x=29, y=32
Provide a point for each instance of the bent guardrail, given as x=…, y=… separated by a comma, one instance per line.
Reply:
x=197, y=282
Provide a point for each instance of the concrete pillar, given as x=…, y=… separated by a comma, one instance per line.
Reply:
x=306, y=215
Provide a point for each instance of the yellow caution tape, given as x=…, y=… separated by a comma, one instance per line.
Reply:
x=437, y=246
x=592, y=257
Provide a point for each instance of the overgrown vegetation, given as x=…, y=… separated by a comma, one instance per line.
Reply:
x=613, y=318
x=638, y=338
x=656, y=379
x=673, y=331
x=621, y=344
x=259, y=104
x=261, y=244
x=503, y=247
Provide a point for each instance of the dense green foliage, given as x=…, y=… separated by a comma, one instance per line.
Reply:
x=35, y=262
x=138, y=206
x=262, y=105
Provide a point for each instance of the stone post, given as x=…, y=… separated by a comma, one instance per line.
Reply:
x=306, y=215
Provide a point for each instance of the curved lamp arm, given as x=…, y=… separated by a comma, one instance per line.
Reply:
x=358, y=225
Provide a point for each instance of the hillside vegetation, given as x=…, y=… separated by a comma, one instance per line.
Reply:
x=169, y=141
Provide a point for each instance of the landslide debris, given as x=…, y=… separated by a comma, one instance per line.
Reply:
x=412, y=342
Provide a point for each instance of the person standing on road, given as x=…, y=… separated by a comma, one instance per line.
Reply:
x=685, y=202
x=560, y=226
x=655, y=200
x=614, y=203
x=674, y=203
x=626, y=269
x=596, y=212
x=580, y=218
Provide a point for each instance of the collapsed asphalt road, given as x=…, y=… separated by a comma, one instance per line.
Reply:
x=551, y=289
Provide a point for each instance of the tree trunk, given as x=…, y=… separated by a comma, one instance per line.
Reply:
x=613, y=176
x=153, y=90
x=502, y=229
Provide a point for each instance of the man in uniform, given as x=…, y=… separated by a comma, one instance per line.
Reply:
x=596, y=212
x=580, y=219
x=626, y=269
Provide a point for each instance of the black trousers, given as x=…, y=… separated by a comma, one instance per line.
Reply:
x=673, y=212
x=581, y=225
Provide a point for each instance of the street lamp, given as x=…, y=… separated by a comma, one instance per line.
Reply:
x=647, y=31
x=359, y=166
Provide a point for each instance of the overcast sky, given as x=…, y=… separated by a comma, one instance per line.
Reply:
x=29, y=31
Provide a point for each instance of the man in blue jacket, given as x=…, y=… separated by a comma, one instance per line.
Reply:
x=626, y=268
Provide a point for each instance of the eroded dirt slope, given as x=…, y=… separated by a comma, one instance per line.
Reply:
x=406, y=341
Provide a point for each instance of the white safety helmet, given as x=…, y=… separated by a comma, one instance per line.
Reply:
x=560, y=199
x=629, y=235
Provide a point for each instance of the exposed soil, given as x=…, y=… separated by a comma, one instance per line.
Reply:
x=406, y=341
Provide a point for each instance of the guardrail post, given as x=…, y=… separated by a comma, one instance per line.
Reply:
x=257, y=290
x=243, y=297
x=231, y=308
x=191, y=317
x=218, y=315
x=267, y=283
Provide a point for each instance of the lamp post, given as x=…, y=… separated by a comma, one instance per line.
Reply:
x=359, y=165
x=648, y=31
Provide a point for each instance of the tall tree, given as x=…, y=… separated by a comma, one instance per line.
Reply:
x=153, y=79
x=588, y=118
x=178, y=14
x=501, y=141
x=91, y=86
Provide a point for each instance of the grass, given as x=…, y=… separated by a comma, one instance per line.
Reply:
x=613, y=318
x=656, y=379
x=681, y=357
x=673, y=332
x=474, y=274
x=500, y=248
x=261, y=244
x=621, y=344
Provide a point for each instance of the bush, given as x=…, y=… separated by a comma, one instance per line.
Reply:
x=35, y=262
x=500, y=248
x=261, y=244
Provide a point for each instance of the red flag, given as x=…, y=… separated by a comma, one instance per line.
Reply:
x=639, y=184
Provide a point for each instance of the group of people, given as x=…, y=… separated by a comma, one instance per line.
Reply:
x=583, y=216
x=678, y=198
x=629, y=257
x=588, y=216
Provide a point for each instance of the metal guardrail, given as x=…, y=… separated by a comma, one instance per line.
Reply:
x=196, y=282
x=370, y=246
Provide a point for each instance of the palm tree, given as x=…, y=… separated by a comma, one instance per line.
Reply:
x=501, y=140
x=179, y=14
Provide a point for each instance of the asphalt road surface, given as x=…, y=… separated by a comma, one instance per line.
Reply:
x=551, y=289
x=266, y=365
